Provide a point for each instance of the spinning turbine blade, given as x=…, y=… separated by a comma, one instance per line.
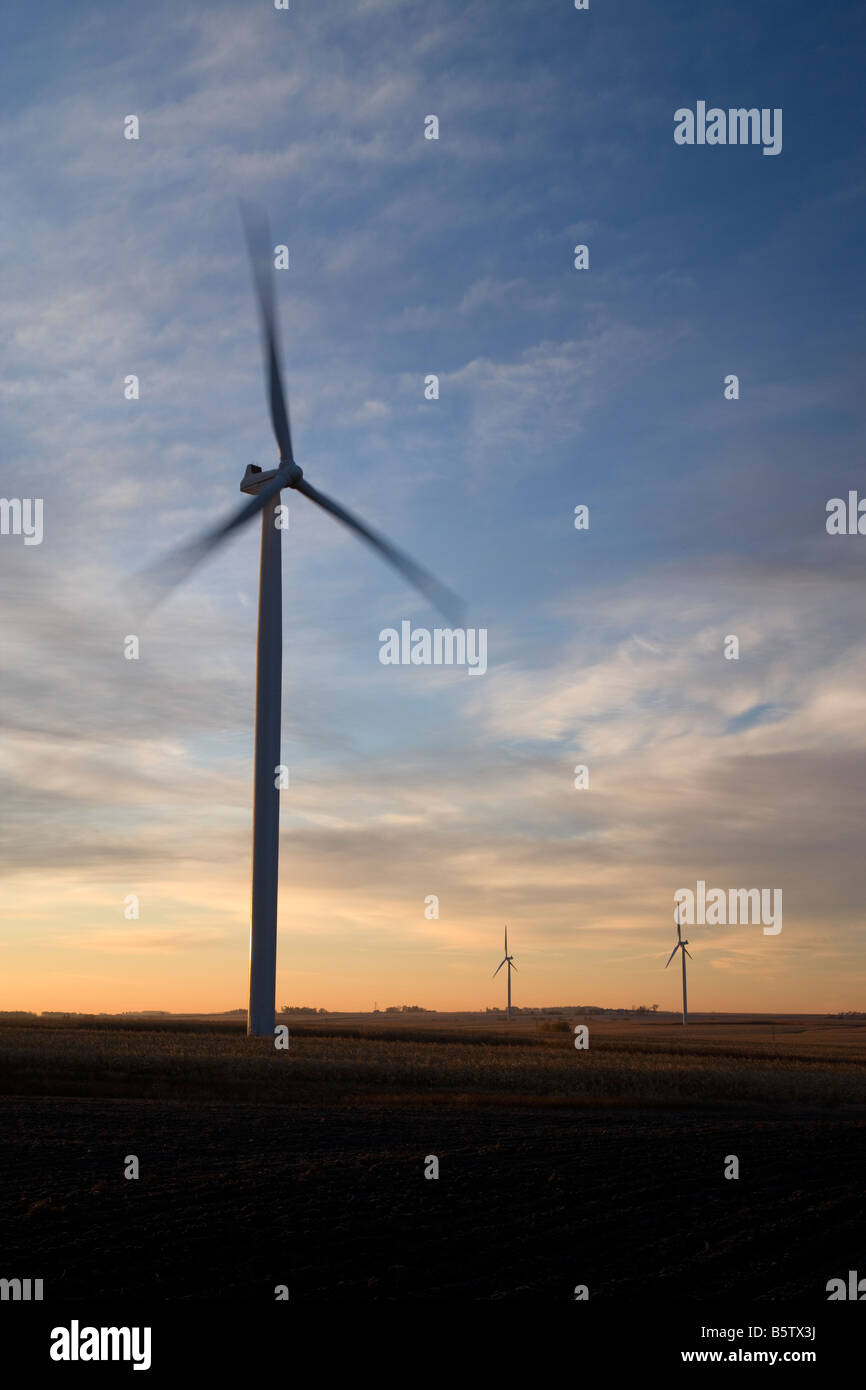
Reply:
x=497, y=970
x=261, y=250
x=513, y=966
x=672, y=954
x=688, y=953
x=165, y=574
x=447, y=602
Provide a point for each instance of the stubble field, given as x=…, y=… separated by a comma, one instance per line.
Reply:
x=557, y=1167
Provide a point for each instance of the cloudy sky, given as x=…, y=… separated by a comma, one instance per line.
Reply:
x=558, y=387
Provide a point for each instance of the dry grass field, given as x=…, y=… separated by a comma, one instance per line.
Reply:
x=819, y=1062
x=306, y=1167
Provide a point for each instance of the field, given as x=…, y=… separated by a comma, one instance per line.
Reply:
x=558, y=1167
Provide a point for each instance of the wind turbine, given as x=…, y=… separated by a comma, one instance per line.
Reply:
x=509, y=961
x=264, y=488
x=681, y=946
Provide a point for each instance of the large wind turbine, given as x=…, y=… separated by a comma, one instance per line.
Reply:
x=265, y=488
x=681, y=946
x=509, y=961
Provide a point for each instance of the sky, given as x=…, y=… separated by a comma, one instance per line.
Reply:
x=602, y=387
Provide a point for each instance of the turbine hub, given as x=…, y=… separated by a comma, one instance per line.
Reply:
x=255, y=478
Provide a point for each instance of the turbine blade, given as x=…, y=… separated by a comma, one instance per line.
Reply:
x=447, y=602
x=688, y=953
x=169, y=571
x=497, y=970
x=672, y=954
x=261, y=252
x=513, y=966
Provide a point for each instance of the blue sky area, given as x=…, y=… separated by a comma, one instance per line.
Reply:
x=557, y=387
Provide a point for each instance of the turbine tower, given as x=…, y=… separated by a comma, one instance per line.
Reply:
x=509, y=961
x=264, y=489
x=681, y=946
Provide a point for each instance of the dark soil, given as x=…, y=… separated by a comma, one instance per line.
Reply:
x=236, y=1199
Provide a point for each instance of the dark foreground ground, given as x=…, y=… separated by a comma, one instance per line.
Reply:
x=332, y=1201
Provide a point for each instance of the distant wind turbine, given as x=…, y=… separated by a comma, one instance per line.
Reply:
x=509, y=961
x=681, y=946
x=265, y=488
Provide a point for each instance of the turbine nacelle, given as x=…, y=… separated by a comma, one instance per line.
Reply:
x=680, y=946
x=255, y=478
